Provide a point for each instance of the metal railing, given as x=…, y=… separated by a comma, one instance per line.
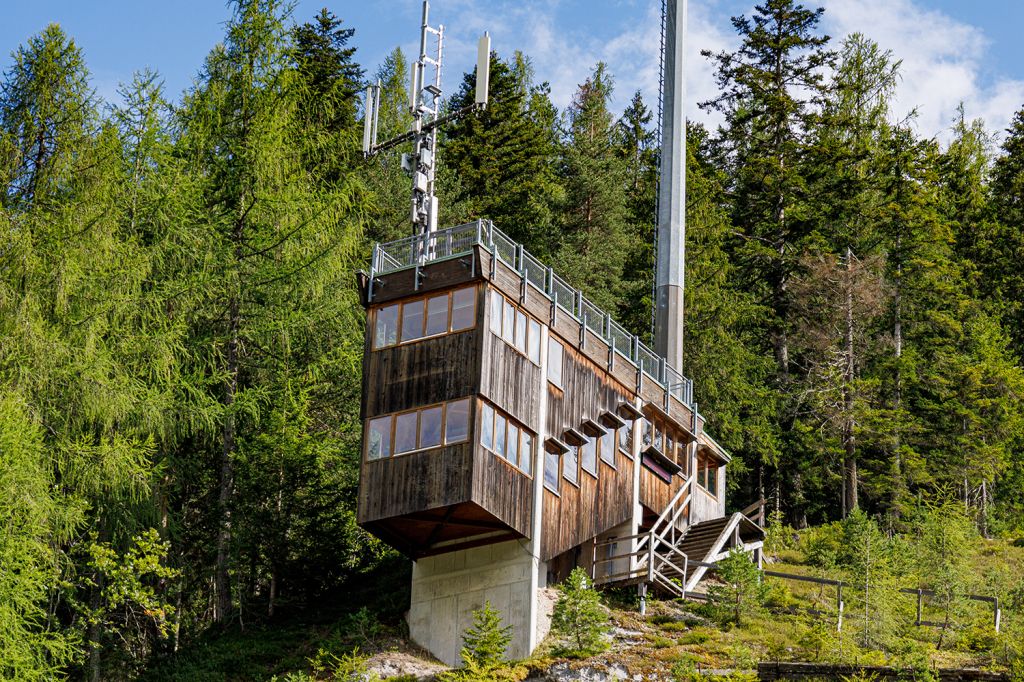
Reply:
x=459, y=241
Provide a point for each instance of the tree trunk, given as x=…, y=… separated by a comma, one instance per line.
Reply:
x=227, y=469
x=849, y=443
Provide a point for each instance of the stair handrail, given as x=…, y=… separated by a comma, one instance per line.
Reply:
x=683, y=491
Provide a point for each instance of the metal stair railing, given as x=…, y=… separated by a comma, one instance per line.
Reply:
x=656, y=555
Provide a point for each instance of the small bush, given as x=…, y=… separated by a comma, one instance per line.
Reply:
x=578, y=617
x=659, y=642
x=696, y=637
x=486, y=641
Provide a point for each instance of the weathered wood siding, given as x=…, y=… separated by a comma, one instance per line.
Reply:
x=504, y=491
x=580, y=513
x=412, y=483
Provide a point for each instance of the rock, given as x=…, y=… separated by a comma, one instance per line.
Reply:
x=394, y=663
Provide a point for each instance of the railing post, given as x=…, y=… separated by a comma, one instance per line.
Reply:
x=578, y=304
x=583, y=330
x=593, y=564
x=839, y=598
x=549, y=281
x=650, y=556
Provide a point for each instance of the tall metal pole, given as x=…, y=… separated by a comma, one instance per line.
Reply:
x=670, y=273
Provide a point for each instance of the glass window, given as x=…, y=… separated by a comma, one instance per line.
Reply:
x=513, y=444
x=526, y=454
x=520, y=332
x=647, y=439
x=670, y=446
x=659, y=435
x=456, y=421
x=412, y=320
x=499, y=434
x=405, y=432
x=437, y=315
x=608, y=447
x=508, y=322
x=430, y=427
x=487, y=422
x=533, y=345
x=626, y=439
x=495, y=311
x=555, y=362
x=378, y=443
x=386, y=331
x=712, y=476
x=551, y=471
x=463, y=308
x=588, y=455
x=570, y=465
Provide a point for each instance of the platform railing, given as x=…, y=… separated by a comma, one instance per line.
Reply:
x=460, y=240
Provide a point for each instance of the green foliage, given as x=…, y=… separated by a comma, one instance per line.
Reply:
x=579, y=619
x=486, y=642
x=741, y=592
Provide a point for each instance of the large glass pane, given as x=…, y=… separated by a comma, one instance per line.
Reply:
x=437, y=315
x=526, y=453
x=495, y=311
x=533, y=344
x=555, y=362
x=430, y=427
x=512, y=446
x=378, y=444
x=499, y=434
x=588, y=454
x=551, y=471
x=463, y=309
x=712, y=483
x=405, y=432
x=520, y=332
x=386, y=331
x=608, y=447
x=487, y=427
x=648, y=437
x=456, y=421
x=508, y=322
x=412, y=320
x=570, y=465
x=659, y=436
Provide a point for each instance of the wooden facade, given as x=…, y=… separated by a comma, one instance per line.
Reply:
x=463, y=494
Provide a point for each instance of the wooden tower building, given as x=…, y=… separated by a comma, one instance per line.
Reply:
x=514, y=431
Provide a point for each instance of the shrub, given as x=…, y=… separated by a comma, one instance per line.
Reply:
x=742, y=593
x=486, y=641
x=578, y=617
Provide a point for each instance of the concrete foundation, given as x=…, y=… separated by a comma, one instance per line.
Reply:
x=447, y=588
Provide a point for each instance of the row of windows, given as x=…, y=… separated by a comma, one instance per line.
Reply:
x=668, y=444
x=515, y=327
x=425, y=317
x=427, y=427
x=507, y=439
x=584, y=457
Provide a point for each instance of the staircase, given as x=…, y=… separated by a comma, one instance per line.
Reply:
x=673, y=555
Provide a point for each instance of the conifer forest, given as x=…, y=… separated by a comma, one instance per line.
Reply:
x=181, y=339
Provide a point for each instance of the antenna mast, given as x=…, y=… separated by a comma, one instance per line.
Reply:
x=671, y=240
x=425, y=106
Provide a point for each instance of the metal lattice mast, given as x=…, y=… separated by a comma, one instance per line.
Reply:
x=425, y=106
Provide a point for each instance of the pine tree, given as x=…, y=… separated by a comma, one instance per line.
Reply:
x=486, y=642
x=578, y=617
x=741, y=592
x=594, y=231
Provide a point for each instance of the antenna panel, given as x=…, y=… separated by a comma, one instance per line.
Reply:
x=368, y=116
x=414, y=87
x=483, y=69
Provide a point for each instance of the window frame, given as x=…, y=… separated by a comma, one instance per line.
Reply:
x=561, y=363
x=557, y=459
x=574, y=451
x=392, y=418
x=424, y=300
x=510, y=337
x=510, y=423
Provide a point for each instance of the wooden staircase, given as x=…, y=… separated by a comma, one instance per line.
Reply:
x=673, y=555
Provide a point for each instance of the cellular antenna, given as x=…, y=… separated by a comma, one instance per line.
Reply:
x=425, y=106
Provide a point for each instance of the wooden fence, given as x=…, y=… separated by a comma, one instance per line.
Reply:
x=829, y=671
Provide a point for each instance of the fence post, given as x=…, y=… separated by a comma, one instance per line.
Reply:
x=998, y=614
x=839, y=598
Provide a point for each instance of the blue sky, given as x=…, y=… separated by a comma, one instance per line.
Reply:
x=952, y=50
